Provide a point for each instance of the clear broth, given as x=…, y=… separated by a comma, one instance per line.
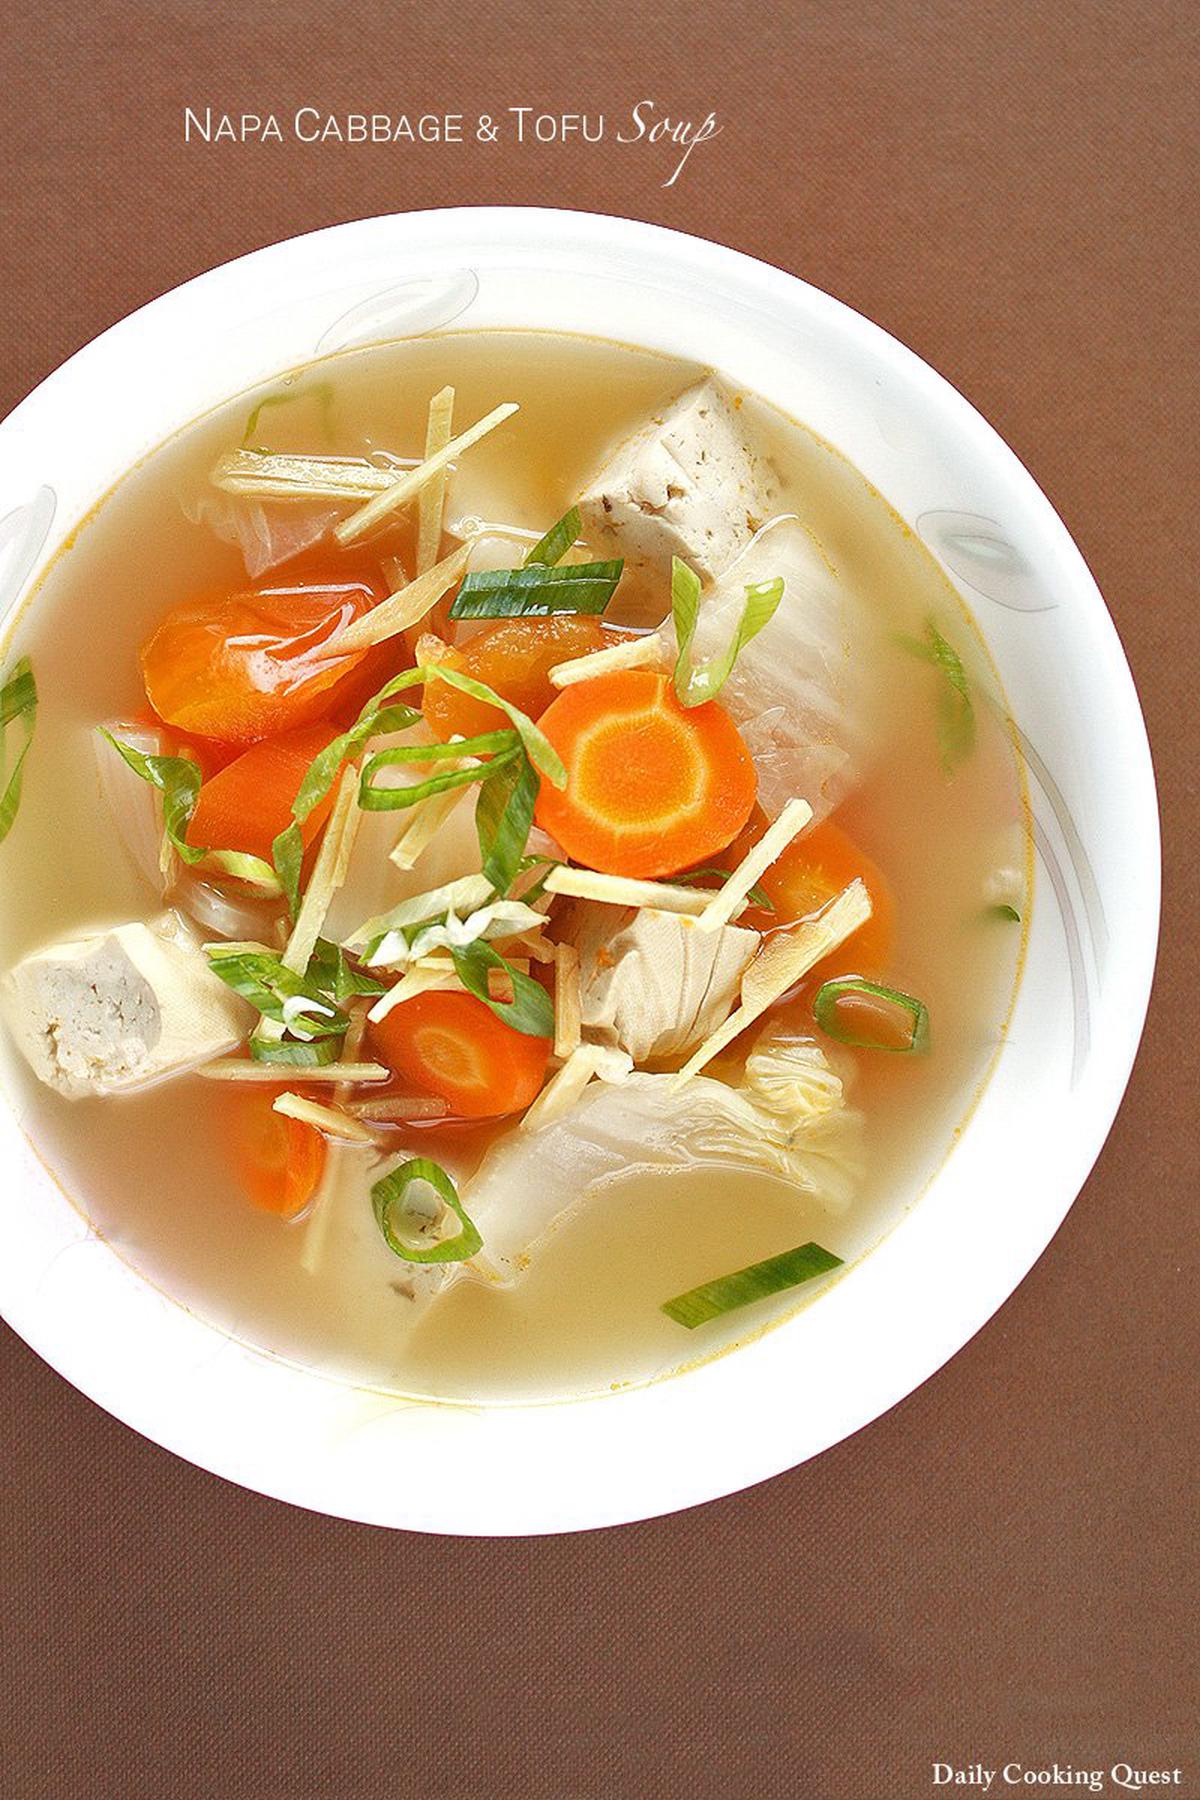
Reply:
x=150, y=1170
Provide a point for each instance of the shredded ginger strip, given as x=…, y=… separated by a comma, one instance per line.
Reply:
x=410, y=483
x=783, y=959
x=730, y=897
x=634, y=653
x=403, y=609
x=328, y=1119
x=432, y=499
x=329, y=872
x=244, y=1068
x=622, y=890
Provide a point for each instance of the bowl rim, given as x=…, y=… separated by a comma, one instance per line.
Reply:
x=598, y=233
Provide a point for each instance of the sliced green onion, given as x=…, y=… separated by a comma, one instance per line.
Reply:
x=530, y=1011
x=320, y=391
x=251, y=870
x=1009, y=913
x=728, y=1292
x=825, y=1011
x=464, y=895
x=262, y=978
x=503, y=820
x=537, y=590
x=756, y=895
x=18, y=701
x=388, y=1196
x=395, y=799
x=558, y=540
x=538, y=748
x=487, y=743
x=177, y=779
x=536, y=888
x=955, y=708
x=376, y=717
x=696, y=686
x=294, y=1055
x=501, y=746
x=18, y=696
x=333, y=973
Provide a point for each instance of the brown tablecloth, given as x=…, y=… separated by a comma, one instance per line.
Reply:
x=1001, y=1570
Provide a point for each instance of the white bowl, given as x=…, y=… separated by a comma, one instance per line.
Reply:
x=992, y=1209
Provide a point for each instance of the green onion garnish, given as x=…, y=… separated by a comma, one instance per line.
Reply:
x=295, y=1055
x=538, y=748
x=536, y=590
x=376, y=717
x=530, y=1011
x=756, y=895
x=320, y=391
x=728, y=1292
x=331, y=972
x=262, y=978
x=537, y=887
x=891, y=1008
x=1008, y=913
x=177, y=779
x=503, y=819
x=388, y=1197
x=501, y=746
x=558, y=540
x=18, y=701
x=252, y=870
x=695, y=686
x=955, y=708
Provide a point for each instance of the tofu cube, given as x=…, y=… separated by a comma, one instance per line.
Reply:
x=121, y=1009
x=690, y=484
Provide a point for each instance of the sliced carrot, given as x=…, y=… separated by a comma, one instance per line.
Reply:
x=211, y=754
x=514, y=657
x=452, y=1045
x=378, y=665
x=245, y=805
x=242, y=666
x=279, y=1161
x=815, y=867
x=652, y=786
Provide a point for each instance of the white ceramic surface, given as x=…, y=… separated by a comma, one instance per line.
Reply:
x=990, y=1212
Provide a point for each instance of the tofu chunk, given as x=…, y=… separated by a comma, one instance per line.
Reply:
x=802, y=692
x=652, y=983
x=688, y=484
x=121, y=1009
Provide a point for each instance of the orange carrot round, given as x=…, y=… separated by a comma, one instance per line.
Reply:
x=245, y=805
x=452, y=1045
x=279, y=1161
x=652, y=786
x=514, y=658
x=242, y=666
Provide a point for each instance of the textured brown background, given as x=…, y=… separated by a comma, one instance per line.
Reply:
x=1004, y=1566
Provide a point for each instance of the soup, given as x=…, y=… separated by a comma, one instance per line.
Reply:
x=519, y=867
